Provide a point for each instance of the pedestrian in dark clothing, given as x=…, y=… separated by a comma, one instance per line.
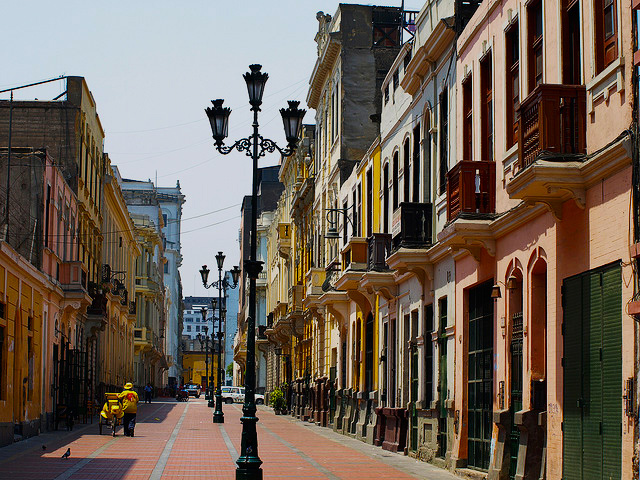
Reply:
x=148, y=391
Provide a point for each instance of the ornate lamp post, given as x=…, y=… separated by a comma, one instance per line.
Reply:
x=255, y=146
x=204, y=343
x=221, y=284
x=209, y=396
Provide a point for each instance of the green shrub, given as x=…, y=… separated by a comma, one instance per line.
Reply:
x=277, y=400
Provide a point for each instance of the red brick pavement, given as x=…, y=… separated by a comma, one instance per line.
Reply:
x=179, y=441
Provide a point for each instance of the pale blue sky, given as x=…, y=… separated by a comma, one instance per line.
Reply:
x=152, y=68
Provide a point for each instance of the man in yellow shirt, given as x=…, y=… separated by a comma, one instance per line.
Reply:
x=129, y=399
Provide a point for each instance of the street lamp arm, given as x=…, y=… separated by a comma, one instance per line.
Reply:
x=265, y=145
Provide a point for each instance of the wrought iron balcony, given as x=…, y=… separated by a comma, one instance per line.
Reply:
x=471, y=188
x=379, y=247
x=412, y=225
x=552, y=120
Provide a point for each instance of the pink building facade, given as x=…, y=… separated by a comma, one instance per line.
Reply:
x=540, y=220
x=66, y=301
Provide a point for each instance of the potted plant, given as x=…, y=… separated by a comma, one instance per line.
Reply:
x=277, y=401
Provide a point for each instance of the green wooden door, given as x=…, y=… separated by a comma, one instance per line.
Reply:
x=442, y=379
x=414, y=398
x=592, y=337
x=480, y=385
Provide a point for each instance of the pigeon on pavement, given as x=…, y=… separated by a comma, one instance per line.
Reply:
x=67, y=454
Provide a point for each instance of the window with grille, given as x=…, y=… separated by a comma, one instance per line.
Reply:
x=535, y=20
x=513, y=85
x=467, y=118
x=444, y=140
x=486, y=88
x=606, y=38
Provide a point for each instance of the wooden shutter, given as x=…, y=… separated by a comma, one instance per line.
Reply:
x=612, y=372
x=572, y=374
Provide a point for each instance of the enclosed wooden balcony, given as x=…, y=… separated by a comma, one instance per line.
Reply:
x=412, y=225
x=471, y=188
x=379, y=248
x=552, y=121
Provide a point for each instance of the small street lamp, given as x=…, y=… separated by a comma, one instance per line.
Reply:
x=204, y=343
x=255, y=146
x=221, y=284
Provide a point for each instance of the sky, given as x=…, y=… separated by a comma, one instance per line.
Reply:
x=152, y=68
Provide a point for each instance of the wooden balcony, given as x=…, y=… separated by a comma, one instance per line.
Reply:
x=354, y=254
x=412, y=225
x=471, y=189
x=552, y=121
x=379, y=249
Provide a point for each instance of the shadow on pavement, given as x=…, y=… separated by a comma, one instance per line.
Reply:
x=47, y=467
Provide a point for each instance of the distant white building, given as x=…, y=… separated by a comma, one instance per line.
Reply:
x=193, y=324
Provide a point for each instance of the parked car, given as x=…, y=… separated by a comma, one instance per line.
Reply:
x=236, y=395
x=193, y=390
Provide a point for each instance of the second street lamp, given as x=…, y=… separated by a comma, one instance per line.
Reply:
x=255, y=146
x=205, y=343
x=221, y=284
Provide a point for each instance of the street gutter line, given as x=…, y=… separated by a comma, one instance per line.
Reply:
x=228, y=443
x=301, y=454
x=164, y=456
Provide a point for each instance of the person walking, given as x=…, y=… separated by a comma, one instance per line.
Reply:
x=129, y=399
x=148, y=390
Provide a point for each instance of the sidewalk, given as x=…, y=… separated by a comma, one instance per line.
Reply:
x=179, y=441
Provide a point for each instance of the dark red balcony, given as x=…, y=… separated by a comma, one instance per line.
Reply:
x=553, y=120
x=471, y=188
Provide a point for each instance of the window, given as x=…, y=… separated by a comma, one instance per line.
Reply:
x=369, y=202
x=359, y=209
x=513, y=83
x=486, y=88
x=188, y=326
x=428, y=354
x=47, y=208
x=344, y=222
x=406, y=60
x=606, y=33
x=467, y=118
x=395, y=180
x=406, y=171
x=444, y=140
x=571, y=61
x=354, y=214
x=416, y=164
x=197, y=328
x=166, y=267
x=534, y=15
x=386, y=94
x=396, y=79
x=426, y=145
x=385, y=198
x=164, y=219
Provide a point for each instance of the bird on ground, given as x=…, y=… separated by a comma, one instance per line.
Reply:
x=67, y=454
x=44, y=447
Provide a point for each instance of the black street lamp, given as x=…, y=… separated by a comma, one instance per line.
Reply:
x=204, y=343
x=221, y=284
x=255, y=146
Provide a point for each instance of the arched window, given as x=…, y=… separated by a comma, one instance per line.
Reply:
x=395, y=180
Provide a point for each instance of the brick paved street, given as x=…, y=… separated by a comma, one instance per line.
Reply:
x=178, y=440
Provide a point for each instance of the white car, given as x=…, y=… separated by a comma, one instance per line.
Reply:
x=236, y=395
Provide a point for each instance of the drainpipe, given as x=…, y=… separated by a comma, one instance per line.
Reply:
x=635, y=185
